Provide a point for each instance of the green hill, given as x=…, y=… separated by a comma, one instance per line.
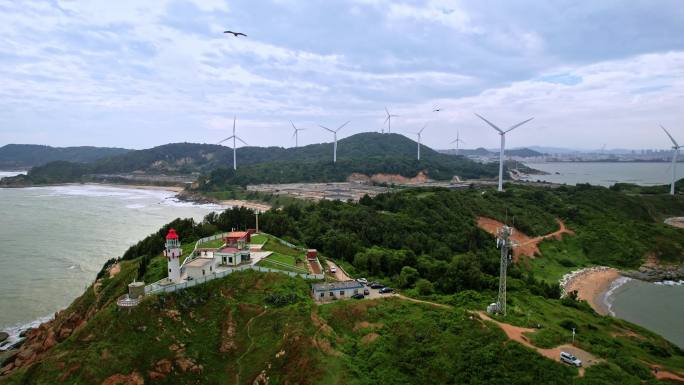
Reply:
x=29, y=155
x=367, y=153
x=249, y=325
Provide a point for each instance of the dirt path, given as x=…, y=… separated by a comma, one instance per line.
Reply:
x=251, y=343
x=526, y=245
x=425, y=302
x=114, y=270
x=661, y=374
x=340, y=275
x=517, y=333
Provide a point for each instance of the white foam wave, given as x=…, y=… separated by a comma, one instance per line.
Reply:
x=15, y=330
x=670, y=283
x=608, y=295
x=135, y=206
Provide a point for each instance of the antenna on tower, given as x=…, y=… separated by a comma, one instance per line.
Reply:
x=503, y=241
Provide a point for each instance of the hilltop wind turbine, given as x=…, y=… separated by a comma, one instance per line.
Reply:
x=388, y=120
x=234, y=137
x=419, y=134
x=676, y=148
x=502, y=133
x=457, y=141
x=295, y=134
x=335, y=138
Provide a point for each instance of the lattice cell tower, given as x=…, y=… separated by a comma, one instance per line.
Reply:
x=504, y=242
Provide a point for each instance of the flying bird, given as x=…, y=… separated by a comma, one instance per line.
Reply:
x=236, y=34
x=436, y=109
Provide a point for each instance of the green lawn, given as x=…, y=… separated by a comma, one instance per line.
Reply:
x=277, y=247
x=282, y=258
x=258, y=239
x=268, y=264
x=215, y=244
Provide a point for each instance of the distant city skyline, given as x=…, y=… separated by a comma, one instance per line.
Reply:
x=140, y=74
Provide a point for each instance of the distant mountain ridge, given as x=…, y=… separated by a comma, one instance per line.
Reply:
x=30, y=155
x=481, y=151
x=363, y=153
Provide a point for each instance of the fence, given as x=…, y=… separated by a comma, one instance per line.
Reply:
x=156, y=288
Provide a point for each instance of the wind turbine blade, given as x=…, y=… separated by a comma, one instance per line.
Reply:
x=671, y=138
x=233, y=125
x=518, y=125
x=340, y=127
x=490, y=123
x=294, y=134
x=386, y=119
x=238, y=138
x=293, y=126
x=387, y=111
x=230, y=137
x=454, y=141
x=326, y=128
x=421, y=130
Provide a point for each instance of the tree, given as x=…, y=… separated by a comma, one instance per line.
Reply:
x=408, y=276
x=424, y=287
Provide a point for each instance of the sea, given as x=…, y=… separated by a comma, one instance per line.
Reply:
x=655, y=306
x=54, y=240
x=605, y=173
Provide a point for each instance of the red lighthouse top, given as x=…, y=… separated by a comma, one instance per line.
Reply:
x=172, y=234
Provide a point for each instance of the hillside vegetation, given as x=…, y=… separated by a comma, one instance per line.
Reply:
x=251, y=325
x=367, y=153
x=29, y=155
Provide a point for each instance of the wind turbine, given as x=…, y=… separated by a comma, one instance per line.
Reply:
x=388, y=120
x=335, y=138
x=457, y=141
x=419, y=134
x=502, y=133
x=676, y=148
x=295, y=134
x=234, y=146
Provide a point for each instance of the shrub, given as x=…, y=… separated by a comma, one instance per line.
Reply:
x=424, y=287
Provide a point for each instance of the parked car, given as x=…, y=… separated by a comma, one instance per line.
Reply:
x=362, y=281
x=366, y=292
x=570, y=359
x=376, y=285
x=333, y=270
x=358, y=296
x=386, y=290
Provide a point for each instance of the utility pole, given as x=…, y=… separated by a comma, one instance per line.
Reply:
x=257, y=221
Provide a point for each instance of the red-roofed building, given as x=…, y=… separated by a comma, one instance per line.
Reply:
x=238, y=239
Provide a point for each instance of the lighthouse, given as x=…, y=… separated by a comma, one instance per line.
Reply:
x=173, y=253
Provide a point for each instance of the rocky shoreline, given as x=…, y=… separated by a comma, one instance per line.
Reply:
x=656, y=273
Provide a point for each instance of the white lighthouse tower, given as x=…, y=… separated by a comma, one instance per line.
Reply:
x=173, y=253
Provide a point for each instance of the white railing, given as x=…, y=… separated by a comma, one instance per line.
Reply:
x=156, y=288
x=126, y=301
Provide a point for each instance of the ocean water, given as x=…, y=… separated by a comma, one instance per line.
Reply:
x=10, y=173
x=605, y=174
x=658, y=307
x=54, y=240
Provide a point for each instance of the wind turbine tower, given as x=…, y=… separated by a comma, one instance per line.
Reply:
x=334, y=132
x=457, y=141
x=295, y=134
x=502, y=133
x=675, y=153
x=234, y=137
x=388, y=120
x=419, y=134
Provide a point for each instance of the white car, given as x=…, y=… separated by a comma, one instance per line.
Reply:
x=362, y=281
x=570, y=359
x=333, y=270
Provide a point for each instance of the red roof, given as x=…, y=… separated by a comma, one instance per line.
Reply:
x=237, y=234
x=172, y=234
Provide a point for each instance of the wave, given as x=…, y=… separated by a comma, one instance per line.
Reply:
x=608, y=295
x=670, y=283
x=16, y=330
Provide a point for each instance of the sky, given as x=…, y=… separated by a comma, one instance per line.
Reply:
x=137, y=74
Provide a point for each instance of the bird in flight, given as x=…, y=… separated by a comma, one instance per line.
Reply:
x=436, y=109
x=236, y=34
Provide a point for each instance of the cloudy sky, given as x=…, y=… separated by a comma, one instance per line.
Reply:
x=142, y=73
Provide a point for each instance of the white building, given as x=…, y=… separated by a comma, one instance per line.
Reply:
x=335, y=290
x=173, y=254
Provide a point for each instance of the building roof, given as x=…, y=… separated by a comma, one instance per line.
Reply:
x=199, y=262
x=342, y=285
x=172, y=234
x=229, y=250
x=237, y=234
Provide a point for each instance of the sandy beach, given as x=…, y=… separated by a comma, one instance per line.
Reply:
x=591, y=284
x=261, y=207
